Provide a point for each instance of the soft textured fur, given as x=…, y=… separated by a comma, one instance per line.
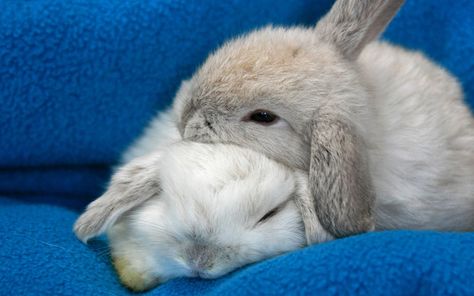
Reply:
x=421, y=146
x=131, y=186
x=201, y=213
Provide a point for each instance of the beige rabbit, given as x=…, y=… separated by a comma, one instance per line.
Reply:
x=383, y=131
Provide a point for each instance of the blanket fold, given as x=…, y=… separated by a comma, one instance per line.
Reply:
x=66, y=180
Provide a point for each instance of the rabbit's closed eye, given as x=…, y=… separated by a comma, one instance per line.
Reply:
x=268, y=215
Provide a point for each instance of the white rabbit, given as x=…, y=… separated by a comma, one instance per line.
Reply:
x=200, y=210
x=383, y=131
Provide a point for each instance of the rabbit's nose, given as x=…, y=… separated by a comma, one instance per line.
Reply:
x=202, y=263
x=201, y=257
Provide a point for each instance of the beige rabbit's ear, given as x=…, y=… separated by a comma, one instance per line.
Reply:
x=339, y=179
x=351, y=24
x=132, y=185
x=314, y=231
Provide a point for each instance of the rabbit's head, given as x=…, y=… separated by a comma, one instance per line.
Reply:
x=296, y=95
x=202, y=210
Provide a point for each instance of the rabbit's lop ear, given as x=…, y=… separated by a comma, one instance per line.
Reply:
x=133, y=184
x=351, y=24
x=314, y=231
x=339, y=178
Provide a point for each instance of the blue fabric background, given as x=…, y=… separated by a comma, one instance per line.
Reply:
x=44, y=258
x=79, y=79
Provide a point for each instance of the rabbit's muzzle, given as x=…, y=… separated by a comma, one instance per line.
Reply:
x=200, y=129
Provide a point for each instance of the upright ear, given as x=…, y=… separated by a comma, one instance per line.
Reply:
x=339, y=179
x=133, y=184
x=351, y=24
x=315, y=233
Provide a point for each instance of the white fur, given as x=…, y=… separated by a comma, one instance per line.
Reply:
x=212, y=195
x=421, y=143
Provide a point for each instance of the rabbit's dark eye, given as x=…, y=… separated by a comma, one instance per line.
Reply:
x=269, y=215
x=263, y=117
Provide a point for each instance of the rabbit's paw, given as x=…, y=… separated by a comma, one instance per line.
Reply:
x=133, y=277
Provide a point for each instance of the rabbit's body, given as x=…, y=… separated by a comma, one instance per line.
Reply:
x=421, y=144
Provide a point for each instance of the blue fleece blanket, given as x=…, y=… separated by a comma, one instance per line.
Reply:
x=44, y=258
x=79, y=79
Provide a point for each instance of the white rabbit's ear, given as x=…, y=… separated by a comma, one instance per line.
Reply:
x=132, y=185
x=339, y=178
x=351, y=24
x=315, y=233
